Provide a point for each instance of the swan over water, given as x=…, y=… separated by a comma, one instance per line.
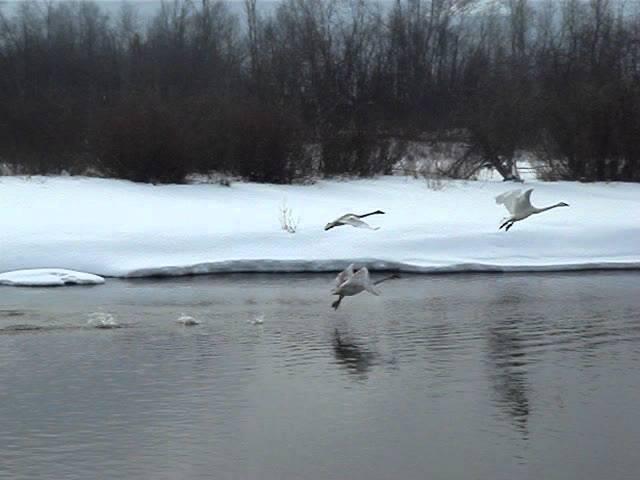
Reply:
x=350, y=282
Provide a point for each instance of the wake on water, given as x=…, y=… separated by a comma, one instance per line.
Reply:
x=187, y=321
x=102, y=320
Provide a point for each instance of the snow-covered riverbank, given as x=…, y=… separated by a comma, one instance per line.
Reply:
x=118, y=228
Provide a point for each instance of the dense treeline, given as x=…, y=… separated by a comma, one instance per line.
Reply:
x=328, y=86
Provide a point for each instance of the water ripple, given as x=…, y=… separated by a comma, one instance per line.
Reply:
x=511, y=372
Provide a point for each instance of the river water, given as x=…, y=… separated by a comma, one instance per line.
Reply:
x=519, y=376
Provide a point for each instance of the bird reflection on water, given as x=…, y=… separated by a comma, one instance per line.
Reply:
x=508, y=362
x=354, y=358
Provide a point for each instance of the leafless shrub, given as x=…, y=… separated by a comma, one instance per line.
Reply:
x=428, y=161
x=141, y=142
x=210, y=178
x=355, y=79
x=288, y=222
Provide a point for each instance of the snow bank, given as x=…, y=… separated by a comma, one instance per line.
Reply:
x=48, y=277
x=118, y=228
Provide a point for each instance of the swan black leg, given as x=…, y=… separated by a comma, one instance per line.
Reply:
x=336, y=304
x=509, y=226
x=504, y=224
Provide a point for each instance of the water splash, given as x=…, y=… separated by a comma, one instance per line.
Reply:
x=102, y=320
x=188, y=321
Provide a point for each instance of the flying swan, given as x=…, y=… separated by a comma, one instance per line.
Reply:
x=519, y=206
x=353, y=220
x=349, y=283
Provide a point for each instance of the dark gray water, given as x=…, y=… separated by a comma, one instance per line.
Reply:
x=443, y=377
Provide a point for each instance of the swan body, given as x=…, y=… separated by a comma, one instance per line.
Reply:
x=519, y=206
x=350, y=282
x=353, y=220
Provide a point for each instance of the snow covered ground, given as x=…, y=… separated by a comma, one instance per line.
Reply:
x=118, y=228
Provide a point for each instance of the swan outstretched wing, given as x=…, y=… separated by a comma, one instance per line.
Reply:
x=524, y=202
x=344, y=276
x=356, y=222
x=510, y=200
x=361, y=277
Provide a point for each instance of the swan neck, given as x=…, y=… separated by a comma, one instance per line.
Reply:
x=367, y=214
x=540, y=210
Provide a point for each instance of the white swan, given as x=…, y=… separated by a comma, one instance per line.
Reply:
x=353, y=220
x=519, y=206
x=349, y=283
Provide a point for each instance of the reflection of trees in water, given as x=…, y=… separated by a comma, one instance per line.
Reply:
x=508, y=360
x=354, y=358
